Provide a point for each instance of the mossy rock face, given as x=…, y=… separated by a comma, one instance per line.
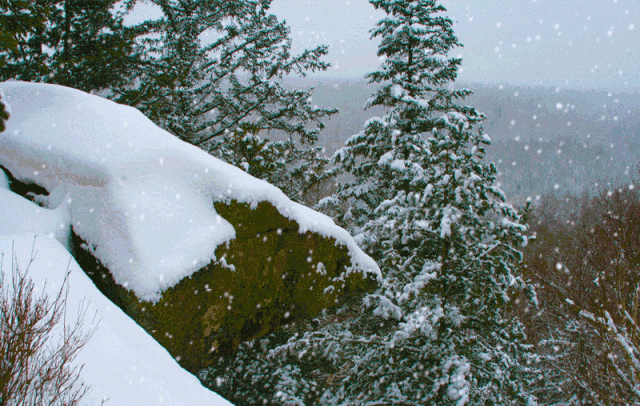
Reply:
x=270, y=274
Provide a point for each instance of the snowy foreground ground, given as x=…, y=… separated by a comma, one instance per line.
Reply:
x=123, y=365
x=143, y=201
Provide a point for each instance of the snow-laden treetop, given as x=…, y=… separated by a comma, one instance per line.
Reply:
x=140, y=198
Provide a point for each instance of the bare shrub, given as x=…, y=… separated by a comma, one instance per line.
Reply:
x=586, y=265
x=37, y=346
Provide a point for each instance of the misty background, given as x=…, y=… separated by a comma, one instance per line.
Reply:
x=559, y=82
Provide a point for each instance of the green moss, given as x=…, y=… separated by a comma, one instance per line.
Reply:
x=274, y=278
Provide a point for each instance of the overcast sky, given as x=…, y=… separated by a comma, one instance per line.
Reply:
x=582, y=44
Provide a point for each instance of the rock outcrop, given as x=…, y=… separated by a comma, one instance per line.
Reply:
x=270, y=274
x=200, y=254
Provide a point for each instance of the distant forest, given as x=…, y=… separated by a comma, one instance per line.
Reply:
x=544, y=141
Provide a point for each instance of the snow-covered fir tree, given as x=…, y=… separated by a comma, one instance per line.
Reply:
x=212, y=67
x=295, y=170
x=423, y=203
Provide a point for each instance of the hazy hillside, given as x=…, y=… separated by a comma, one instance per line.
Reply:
x=544, y=140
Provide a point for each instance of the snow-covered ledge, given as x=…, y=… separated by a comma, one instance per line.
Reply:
x=194, y=249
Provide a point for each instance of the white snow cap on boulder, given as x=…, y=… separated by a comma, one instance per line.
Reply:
x=141, y=198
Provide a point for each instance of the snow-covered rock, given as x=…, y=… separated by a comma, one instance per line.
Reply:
x=198, y=252
x=138, y=194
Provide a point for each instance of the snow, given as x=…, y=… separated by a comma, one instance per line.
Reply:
x=397, y=91
x=122, y=363
x=386, y=158
x=22, y=217
x=456, y=119
x=4, y=180
x=449, y=217
x=398, y=165
x=385, y=309
x=140, y=198
x=143, y=202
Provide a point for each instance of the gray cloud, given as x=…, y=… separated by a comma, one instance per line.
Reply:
x=550, y=43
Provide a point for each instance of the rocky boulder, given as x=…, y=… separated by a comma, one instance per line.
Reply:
x=270, y=274
x=200, y=254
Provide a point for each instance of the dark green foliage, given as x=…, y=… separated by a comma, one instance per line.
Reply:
x=282, y=163
x=4, y=112
x=75, y=43
x=211, y=69
x=22, y=26
x=422, y=202
x=202, y=70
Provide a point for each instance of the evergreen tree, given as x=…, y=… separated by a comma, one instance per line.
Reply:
x=21, y=21
x=281, y=163
x=212, y=68
x=203, y=70
x=424, y=205
x=77, y=43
